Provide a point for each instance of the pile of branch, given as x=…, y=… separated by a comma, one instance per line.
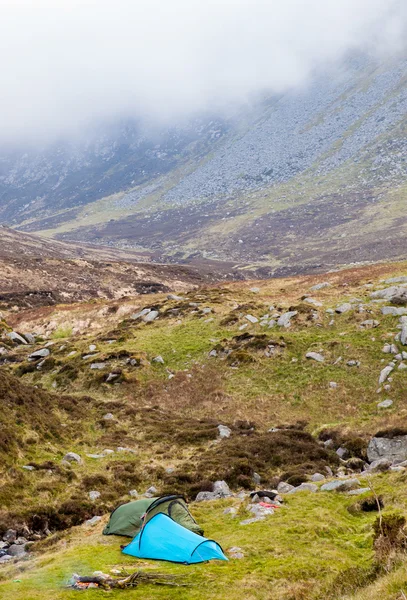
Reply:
x=106, y=582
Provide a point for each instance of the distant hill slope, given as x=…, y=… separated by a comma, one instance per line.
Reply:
x=316, y=177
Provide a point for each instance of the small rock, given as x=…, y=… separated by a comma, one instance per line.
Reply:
x=305, y=487
x=353, y=363
x=92, y=347
x=151, y=316
x=340, y=485
x=359, y=491
x=252, y=520
x=333, y=385
x=174, y=297
x=313, y=302
x=231, y=510
x=150, y=492
x=224, y=431
x=10, y=536
x=285, y=319
x=385, y=404
x=140, y=314
x=43, y=353
x=97, y=366
x=370, y=324
x=317, y=477
x=111, y=377
x=16, y=550
x=384, y=374
x=342, y=453
x=5, y=558
x=235, y=552
x=93, y=521
x=72, y=457
x=16, y=338
x=343, y=308
x=320, y=286
x=108, y=417
x=315, y=356
x=222, y=489
x=380, y=465
x=158, y=359
x=251, y=319
x=28, y=467
x=256, y=478
x=284, y=488
x=94, y=495
x=133, y=493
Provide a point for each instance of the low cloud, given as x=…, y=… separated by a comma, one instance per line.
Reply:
x=67, y=63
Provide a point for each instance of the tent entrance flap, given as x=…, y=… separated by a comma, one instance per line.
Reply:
x=163, y=539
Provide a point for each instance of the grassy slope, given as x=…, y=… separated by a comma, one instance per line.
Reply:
x=305, y=550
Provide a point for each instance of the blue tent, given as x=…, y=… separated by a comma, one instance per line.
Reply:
x=163, y=539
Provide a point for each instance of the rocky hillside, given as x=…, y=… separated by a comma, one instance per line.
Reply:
x=301, y=180
x=293, y=385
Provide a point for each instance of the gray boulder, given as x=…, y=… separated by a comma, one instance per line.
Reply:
x=370, y=324
x=284, y=488
x=251, y=319
x=93, y=521
x=10, y=536
x=43, y=353
x=16, y=550
x=305, y=487
x=390, y=293
x=315, y=356
x=285, y=319
x=380, y=465
x=17, y=338
x=343, y=308
x=394, y=449
x=384, y=374
x=340, y=485
x=151, y=316
x=224, y=431
x=320, y=286
x=72, y=457
x=140, y=314
x=385, y=404
x=317, y=477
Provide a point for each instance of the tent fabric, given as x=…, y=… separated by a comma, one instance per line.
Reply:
x=127, y=519
x=161, y=538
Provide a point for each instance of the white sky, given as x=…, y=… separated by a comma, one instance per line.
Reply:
x=64, y=63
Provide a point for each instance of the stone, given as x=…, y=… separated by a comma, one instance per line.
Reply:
x=94, y=495
x=133, y=493
x=16, y=338
x=5, y=558
x=342, y=452
x=333, y=385
x=304, y=487
x=340, y=485
x=16, y=550
x=151, y=316
x=252, y=520
x=313, y=302
x=390, y=293
x=150, y=492
x=403, y=334
x=353, y=363
x=141, y=313
x=93, y=521
x=222, y=489
x=108, y=417
x=380, y=465
x=10, y=536
x=285, y=319
x=92, y=347
x=284, y=488
x=98, y=366
x=395, y=449
x=315, y=356
x=213, y=354
x=158, y=359
x=317, y=477
x=231, y=510
x=72, y=457
x=29, y=337
x=390, y=349
x=251, y=319
x=224, y=431
x=255, y=290
x=343, y=308
x=370, y=324
x=28, y=468
x=402, y=366
x=400, y=279
x=256, y=478
x=384, y=374
x=236, y=552
x=174, y=297
x=359, y=492
x=394, y=311
x=111, y=377
x=320, y=286
x=385, y=404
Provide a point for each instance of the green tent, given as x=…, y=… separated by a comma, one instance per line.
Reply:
x=127, y=519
